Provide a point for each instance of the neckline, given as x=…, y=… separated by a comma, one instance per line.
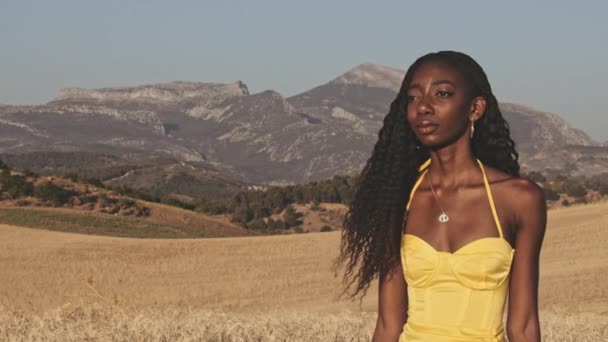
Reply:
x=459, y=249
x=424, y=168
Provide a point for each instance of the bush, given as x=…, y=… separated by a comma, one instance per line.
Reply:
x=15, y=185
x=292, y=217
x=127, y=191
x=28, y=173
x=176, y=203
x=581, y=200
x=576, y=190
x=275, y=225
x=326, y=228
x=211, y=207
x=126, y=202
x=88, y=199
x=242, y=215
x=257, y=224
x=52, y=193
x=536, y=177
x=566, y=203
x=94, y=181
x=73, y=176
x=550, y=194
x=604, y=189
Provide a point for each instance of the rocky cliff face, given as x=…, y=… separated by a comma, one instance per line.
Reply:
x=371, y=76
x=537, y=130
x=173, y=92
x=263, y=137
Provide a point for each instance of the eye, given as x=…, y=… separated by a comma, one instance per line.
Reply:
x=411, y=98
x=443, y=93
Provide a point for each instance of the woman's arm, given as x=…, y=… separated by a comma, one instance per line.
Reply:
x=392, y=306
x=522, y=321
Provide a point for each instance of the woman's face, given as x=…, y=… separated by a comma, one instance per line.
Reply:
x=439, y=108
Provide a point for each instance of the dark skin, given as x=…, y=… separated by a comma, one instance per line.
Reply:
x=440, y=112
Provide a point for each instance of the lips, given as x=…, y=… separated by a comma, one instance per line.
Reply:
x=426, y=127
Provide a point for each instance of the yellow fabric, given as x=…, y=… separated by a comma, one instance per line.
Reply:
x=457, y=296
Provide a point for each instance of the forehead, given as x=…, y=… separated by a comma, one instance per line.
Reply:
x=431, y=71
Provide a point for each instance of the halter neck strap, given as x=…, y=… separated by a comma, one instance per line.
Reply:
x=424, y=168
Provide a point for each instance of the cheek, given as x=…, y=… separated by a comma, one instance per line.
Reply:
x=410, y=113
x=453, y=111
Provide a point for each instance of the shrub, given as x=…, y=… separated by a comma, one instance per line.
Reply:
x=94, y=181
x=15, y=185
x=88, y=199
x=315, y=205
x=275, y=225
x=292, y=218
x=581, y=200
x=257, y=224
x=176, y=203
x=242, y=215
x=73, y=176
x=550, y=194
x=576, y=190
x=604, y=189
x=536, y=177
x=31, y=174
x=50, y=192
x=326, y=228
x=211, y=207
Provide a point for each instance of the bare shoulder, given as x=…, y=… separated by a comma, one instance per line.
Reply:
x=520, y=191
x=524, y=198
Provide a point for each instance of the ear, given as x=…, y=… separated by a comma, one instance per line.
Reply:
x=478, y=108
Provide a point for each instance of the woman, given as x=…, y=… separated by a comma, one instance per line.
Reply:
x=442, y=217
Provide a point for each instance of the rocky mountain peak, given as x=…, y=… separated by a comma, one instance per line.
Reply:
x=550, y=129
x=372, y=75
x=157, y=93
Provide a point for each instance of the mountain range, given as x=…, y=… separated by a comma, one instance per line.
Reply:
x=222, y=134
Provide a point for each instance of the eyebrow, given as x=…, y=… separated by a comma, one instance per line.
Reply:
x=416, y=85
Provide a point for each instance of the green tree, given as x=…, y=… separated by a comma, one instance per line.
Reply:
x=292, y=217
x=242, y=215
x=315, y=205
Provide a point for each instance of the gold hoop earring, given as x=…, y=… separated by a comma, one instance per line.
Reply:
x=472, y=128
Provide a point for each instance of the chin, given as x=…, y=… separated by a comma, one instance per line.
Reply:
x=435, y=144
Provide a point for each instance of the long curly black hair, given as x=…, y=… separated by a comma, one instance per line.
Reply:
x=375, y=220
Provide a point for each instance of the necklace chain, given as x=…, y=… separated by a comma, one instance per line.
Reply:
x=444, y=216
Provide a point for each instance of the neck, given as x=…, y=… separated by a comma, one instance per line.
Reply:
x=452, y=167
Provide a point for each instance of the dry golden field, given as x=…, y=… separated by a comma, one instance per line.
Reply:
x=64, y=286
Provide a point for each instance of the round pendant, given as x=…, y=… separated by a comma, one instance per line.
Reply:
x=443, y=218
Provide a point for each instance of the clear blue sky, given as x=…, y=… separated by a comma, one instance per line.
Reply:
x=550, y=55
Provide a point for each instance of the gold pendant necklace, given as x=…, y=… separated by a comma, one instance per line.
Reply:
x=443, y=218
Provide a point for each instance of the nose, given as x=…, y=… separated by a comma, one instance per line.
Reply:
x=423, y=106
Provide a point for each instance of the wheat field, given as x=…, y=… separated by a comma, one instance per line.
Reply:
x=71, y=287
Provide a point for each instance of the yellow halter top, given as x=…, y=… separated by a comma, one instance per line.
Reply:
x=457, y=296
